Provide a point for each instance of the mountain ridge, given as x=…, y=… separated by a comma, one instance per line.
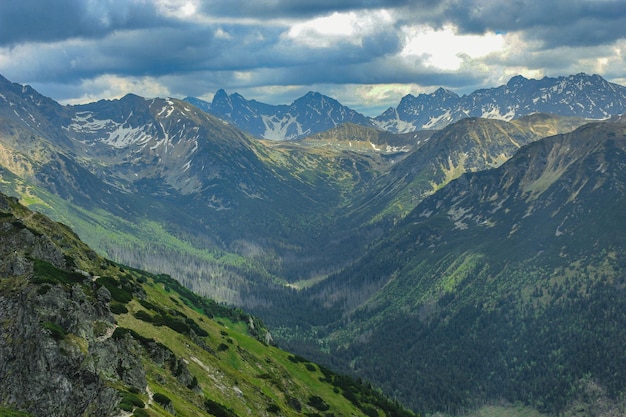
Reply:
x=169, y=180
x=163, y=172
x=578, y=95
x=311, y=113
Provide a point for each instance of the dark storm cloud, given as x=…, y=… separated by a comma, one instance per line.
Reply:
x=178, y=50
x=555, y=22
x=46, y=21
x=297, y=8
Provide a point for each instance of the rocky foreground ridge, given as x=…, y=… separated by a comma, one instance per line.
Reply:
x=57, y=354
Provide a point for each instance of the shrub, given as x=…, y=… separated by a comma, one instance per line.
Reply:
x=143, y=316
x=217, y=409
x=121, y=332
x=273, y=408
x=46, y=273
x=117, y=308
x=57, y=331
x=161, y=399
x=176, y=325
x=119, y=292
x=318, y=403
x=196, y=328
x=294, y=403
x=130, y=401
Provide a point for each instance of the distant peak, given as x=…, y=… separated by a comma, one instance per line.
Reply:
x=517, y=81
x=219, y=94
x=313, y=94
x=444, y=92
x=584, y=76
x=131, y=96
x=220, y=99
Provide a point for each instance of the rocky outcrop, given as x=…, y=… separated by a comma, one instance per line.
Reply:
x=55, y=356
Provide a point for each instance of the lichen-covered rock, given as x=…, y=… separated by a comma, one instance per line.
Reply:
x=55, y=354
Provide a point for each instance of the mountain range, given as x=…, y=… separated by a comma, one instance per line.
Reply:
x=485, y=257
x=580, y=95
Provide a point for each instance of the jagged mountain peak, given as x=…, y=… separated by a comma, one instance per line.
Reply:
x=312, y=94
x=516, y=82
x=444, y=93
x=220, y=94
x=316, y=99
x=281, y=122
x=579, y=95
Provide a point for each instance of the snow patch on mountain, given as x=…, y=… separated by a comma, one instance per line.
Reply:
x=495, y=112
x=115, y=134
x=168, y=110
x=285, y=128
x=437, y=120
x=124, y=136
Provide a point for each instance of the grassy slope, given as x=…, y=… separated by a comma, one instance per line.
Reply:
x=220, y=366
x=232, y=367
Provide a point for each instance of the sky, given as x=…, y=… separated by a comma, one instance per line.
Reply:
x=367, y=54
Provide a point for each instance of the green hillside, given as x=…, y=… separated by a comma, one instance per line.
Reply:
x=506, y=285
x=82, y=335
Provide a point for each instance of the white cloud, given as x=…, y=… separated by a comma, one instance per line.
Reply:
x=445, y=49
x=222, y=34
x=350, y=27
x=179, y=9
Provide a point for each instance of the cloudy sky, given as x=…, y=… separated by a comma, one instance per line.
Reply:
x=367, y=54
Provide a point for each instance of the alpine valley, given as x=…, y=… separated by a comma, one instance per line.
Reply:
x=465, y=255
x=83, y=336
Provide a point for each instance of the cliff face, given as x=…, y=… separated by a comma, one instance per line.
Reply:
x=56, y=353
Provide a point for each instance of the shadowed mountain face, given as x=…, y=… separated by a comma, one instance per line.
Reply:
x=499, y=285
